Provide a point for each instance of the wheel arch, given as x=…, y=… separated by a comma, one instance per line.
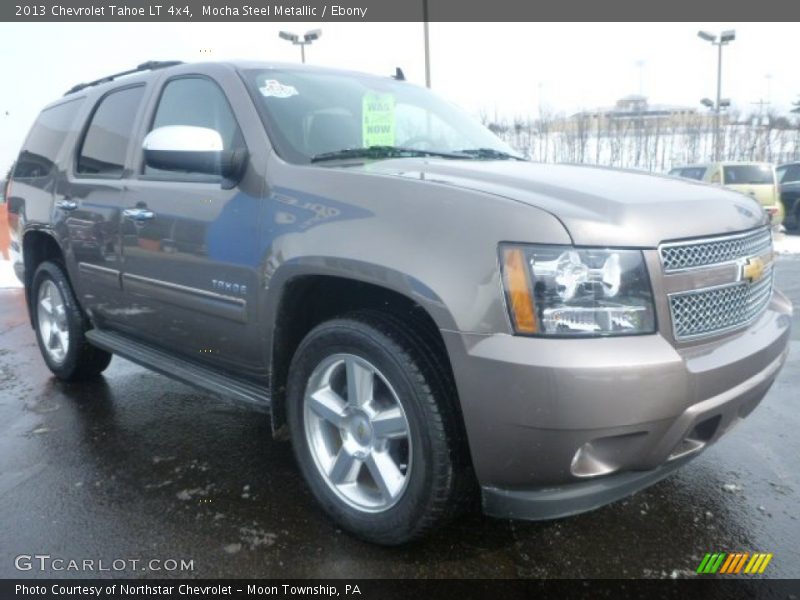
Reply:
x=38, y=246
x=307, y=297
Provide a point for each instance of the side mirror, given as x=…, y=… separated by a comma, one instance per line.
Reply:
x=189, y=149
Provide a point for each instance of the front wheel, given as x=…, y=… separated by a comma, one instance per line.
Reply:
x=373, y=429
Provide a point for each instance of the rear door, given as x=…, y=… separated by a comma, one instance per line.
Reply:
x=190, y=247
x=88, y=204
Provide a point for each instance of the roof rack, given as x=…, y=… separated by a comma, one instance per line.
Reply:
x=150, y=65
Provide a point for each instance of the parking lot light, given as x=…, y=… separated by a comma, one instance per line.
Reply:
x=308, y=37
x=724, y=38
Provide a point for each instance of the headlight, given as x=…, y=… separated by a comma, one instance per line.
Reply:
x=567, y=291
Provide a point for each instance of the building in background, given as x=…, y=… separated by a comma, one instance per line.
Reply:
x=634, y=112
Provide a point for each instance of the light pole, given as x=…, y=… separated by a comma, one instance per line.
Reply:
x=724, y=38
x=309, y=37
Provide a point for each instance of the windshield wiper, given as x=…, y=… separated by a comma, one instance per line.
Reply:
x=385, y=152
x=490, y=154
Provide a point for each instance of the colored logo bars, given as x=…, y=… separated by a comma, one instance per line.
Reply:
x=734, y=563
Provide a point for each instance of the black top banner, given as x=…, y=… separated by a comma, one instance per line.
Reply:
x=398, y=10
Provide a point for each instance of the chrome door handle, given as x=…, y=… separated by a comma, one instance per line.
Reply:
x=138, y=214
x=66, y=204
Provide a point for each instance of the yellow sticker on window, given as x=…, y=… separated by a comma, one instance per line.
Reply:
x=378, y=119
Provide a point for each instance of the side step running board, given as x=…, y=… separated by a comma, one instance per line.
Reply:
x=178, y=368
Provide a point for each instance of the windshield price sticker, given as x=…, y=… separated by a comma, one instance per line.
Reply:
x=378, y=119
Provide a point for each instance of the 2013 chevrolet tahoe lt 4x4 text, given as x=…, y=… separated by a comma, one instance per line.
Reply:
x=428, y=316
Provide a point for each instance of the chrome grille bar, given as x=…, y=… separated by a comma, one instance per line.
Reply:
x=693, y=254
x=715, y=310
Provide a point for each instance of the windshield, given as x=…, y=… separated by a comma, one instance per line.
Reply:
x=312, y=114
x=749, y=174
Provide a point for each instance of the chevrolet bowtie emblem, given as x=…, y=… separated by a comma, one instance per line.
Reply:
x=752, y=269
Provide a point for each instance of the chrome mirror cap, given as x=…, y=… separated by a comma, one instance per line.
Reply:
x=183, y=138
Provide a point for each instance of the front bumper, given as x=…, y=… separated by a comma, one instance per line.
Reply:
x=561, y=426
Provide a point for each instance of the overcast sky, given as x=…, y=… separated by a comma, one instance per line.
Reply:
x=511, y=68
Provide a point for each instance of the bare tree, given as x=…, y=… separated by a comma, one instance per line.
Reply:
x=653, y=143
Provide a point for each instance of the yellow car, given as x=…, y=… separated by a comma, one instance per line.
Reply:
x=755, y=179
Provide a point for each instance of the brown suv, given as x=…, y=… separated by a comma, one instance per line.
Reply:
x=427, y=315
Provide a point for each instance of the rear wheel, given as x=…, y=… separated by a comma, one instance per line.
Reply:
x=373, y=430
x=61, y=327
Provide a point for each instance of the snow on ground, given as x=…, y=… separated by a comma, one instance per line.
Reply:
x=7, y=277
x=787, y=244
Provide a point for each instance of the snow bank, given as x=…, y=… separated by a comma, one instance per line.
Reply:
x=787, y=244
x=7, y=277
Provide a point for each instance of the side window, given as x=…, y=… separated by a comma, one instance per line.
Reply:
x=792, y=173
x=198, y=102
x=45, y=140
x=106, y=142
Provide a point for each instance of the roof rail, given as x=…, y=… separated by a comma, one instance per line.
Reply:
x=150, y=65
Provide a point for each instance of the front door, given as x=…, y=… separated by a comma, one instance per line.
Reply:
x=190, y=246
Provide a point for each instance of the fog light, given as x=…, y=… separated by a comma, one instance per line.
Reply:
x=605, y=455
x=586, y=463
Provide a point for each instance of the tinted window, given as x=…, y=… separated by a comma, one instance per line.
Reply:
x=198, y=102
x=45, y=140
x=789, y=173
x=106, y=142
x=694, y=173
x=749, y=174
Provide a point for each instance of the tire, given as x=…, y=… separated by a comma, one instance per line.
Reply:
x=436, y=481
x=66, y=351
x=792, y=218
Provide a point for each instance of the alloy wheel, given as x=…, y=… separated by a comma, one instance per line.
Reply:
x=357, y=432
x=52, y=321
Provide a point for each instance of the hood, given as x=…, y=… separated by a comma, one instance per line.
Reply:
x=598, y=206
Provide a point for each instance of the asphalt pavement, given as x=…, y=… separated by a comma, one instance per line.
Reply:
x=136, y=467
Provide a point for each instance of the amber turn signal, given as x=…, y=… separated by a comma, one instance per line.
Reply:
x=518, y=290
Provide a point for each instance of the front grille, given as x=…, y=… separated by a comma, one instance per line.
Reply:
x=714, y=310
x=678, y=256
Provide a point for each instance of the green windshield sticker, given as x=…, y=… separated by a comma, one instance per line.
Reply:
x=378, y=119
